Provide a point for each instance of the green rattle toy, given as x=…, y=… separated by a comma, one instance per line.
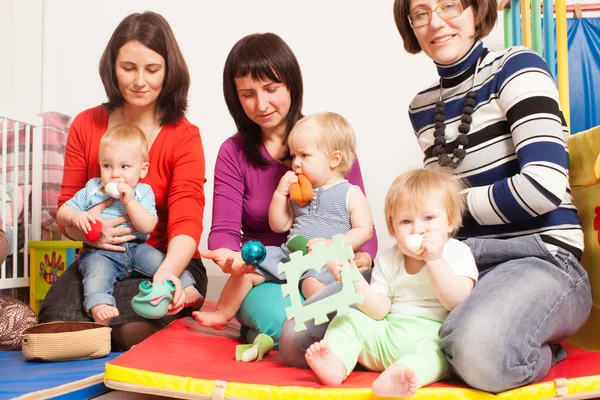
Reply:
x=153, y=299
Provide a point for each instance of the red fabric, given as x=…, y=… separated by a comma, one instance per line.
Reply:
x=183, y=350
x=176, y=173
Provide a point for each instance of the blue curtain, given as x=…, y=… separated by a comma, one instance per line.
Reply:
x=584, y=72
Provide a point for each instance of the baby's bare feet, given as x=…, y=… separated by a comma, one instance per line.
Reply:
x=396, y=381
x=213, y=319
x=103, y=313
x=193, y=298
x=325, y=363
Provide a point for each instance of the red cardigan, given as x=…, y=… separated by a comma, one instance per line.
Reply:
x=176, y=173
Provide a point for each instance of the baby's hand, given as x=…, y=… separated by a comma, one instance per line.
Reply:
x=335, y=267
x=125, y=193
x=81, y=220
x=286, y=181
x=314, y=241
x=433, y=244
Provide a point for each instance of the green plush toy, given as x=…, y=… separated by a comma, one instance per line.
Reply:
x=298, y=243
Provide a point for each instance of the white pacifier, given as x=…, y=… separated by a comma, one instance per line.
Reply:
x=112, y=190
x=413, y=243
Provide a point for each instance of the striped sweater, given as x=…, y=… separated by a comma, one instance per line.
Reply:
x=517, y=161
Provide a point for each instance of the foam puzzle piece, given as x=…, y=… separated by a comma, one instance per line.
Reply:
x=316, y=259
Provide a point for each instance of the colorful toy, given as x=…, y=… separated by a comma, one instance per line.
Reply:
x=302, y=192
x=413, y=243
x=316, y=259
x=153, y=299
x=94, y=233
x=253, y=252
x=298, y=243
x=255, y=351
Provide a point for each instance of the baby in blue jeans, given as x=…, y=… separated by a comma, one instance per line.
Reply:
x=123, y=157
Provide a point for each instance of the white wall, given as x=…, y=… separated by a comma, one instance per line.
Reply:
x=21, y=54
x=350, y=52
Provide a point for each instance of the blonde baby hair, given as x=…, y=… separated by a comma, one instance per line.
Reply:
x=414, y=187
x=126, y=133
x=334, y=134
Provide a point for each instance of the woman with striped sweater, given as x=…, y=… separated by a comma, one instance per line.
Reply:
x=495, y=118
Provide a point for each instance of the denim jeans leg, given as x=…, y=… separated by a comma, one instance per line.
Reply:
x=146, y=260
x=499, y=337
x=292, y=344
x=100, y=269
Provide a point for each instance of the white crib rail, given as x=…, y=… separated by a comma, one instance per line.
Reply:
x=32, y=125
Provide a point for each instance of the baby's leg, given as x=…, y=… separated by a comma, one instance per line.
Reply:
x=423, y=365
x=311, y=286
x=103, y=313
x=396, y=381
x=328, y=367
x=99, y=269
x=232, y=296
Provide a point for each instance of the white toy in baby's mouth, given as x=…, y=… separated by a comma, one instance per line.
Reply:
x=413, y=243
x=112, y=190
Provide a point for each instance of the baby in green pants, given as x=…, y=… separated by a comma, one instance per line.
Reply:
x=395, y=329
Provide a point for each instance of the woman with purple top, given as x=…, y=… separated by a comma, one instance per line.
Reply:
x=262, y=84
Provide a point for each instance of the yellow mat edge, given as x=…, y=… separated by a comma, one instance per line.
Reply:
x=116, y=376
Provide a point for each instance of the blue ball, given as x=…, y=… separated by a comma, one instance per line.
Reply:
x=253, y=252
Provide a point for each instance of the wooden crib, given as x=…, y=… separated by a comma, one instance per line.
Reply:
x=20, y=190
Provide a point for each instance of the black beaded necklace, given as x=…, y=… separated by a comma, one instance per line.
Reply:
x=439, y=118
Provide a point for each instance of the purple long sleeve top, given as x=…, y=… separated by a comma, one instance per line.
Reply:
x=242, y=195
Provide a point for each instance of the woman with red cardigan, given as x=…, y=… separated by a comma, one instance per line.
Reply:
x=146, y=81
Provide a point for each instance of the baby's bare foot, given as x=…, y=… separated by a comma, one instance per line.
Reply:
x=396, y=381
x=325, y=363
x=193, y=298
x=213, y=319
x=103, y=313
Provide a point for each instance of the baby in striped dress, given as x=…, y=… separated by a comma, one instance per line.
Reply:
x=323, y=147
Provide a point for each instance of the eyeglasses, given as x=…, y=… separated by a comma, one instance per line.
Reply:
x=447, y=10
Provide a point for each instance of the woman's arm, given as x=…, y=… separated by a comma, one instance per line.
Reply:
x=3, y=242
x=186, y=208
x=228, y=199
x=75, y=173
x=528, y=95
x=367, y=253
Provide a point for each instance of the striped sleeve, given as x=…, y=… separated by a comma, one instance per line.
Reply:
x=529, y=97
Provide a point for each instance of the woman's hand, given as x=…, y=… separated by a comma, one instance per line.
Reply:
x=164, y=274
x=111, y=236
x=229, y=261
x=363, y=260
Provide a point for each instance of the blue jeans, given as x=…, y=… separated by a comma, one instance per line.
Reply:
x=506, y=333
x=101, y=269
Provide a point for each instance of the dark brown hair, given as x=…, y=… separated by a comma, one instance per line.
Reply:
x=261, y=56
x=485, y=19
x=154, y=32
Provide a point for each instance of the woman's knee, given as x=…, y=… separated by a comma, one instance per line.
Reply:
x=488, y=356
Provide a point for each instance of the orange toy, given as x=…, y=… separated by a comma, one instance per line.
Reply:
x=301, y=192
